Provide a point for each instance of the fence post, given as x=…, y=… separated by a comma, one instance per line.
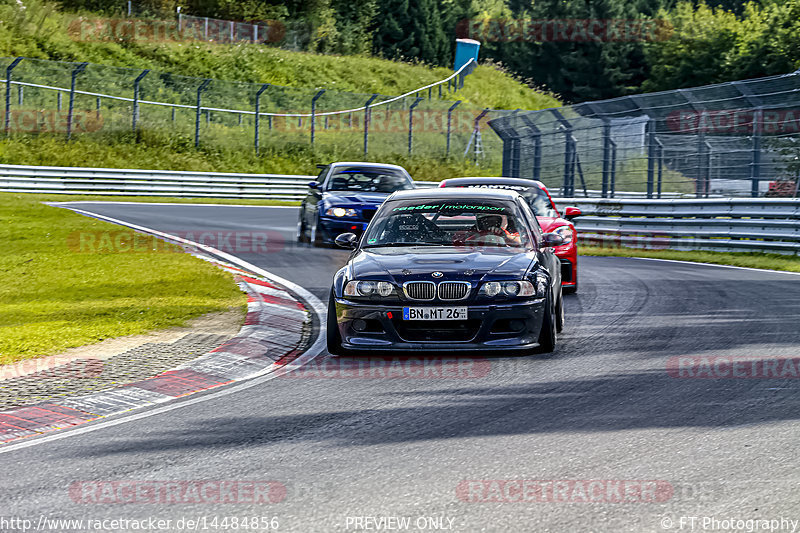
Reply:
x=660, y=165
x=19, y=95
x=173, y=114
x=613, y=180
x=314, y=113
x=136, y=97
x=755, y=165
x=58, y=101
x=77, y=70
x=205, y=29
x=411, y=123
x=9, y=68
x=258, y=111
x=537, y=146
x=449, y=123
x=651, y=147
x=367, y=115
x=606, y=157
x=200, y=90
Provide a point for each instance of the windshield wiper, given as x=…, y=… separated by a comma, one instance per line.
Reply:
x=387, y=244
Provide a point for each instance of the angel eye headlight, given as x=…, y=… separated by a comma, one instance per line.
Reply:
x=340, y=212
x=368, y=288
x=491, y=288
x=511, y=288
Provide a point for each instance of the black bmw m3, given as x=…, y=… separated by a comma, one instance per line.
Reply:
x=448, y=270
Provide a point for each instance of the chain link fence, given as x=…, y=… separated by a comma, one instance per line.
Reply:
x=732, y=139
x=81, y=99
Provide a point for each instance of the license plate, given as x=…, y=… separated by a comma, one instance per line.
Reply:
x=434, y=313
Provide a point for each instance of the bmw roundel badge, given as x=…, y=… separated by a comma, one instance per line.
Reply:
x=437, y=274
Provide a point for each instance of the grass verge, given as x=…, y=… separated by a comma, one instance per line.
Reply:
x=741, y=259
x=54, y=298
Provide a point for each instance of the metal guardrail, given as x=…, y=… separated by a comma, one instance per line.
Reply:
x=755, y=224
x=134, y=182
x=741, y=225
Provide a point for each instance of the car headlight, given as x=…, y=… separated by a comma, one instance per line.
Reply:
x=566, y=233
x=369, y=288
x=493, y=289
x=340, y=212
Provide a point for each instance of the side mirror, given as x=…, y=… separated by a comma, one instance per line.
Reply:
x=572, y=212
x=313, y=185
x=347, y=240
x=550, y=240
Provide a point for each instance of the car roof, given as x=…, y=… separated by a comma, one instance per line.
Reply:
x=367, y=165
x=518, y=182
x=435, y=194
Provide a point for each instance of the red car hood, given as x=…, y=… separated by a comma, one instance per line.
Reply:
x=548, y=224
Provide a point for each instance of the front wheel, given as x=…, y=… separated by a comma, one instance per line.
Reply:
x=301, y=228
x=333, y=336
x=548, y=335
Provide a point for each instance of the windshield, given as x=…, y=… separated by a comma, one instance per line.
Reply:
x=371, y=179
x=539, y=202
x=448, y=223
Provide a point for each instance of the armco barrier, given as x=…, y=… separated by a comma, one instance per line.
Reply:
x=717, y=224
x=134, y=182
x=729, y=225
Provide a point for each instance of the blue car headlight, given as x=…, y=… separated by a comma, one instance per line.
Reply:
x=341, y=212
x=501, y=289
x=369, y=289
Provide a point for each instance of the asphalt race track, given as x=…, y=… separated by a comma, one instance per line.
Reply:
x=608, y=408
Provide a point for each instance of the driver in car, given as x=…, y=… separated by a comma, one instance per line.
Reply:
x=492, y=229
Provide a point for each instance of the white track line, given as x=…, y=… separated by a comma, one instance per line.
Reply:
x=710, y=264
x=176, y=204
x=313, y=351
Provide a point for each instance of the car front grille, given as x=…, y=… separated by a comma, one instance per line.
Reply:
x=453, y=290
x=420, y=290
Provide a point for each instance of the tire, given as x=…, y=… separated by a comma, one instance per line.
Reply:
x=548, y=334
x=560, y=312
x=315, y=239
x=301, y=228
x=333, y=337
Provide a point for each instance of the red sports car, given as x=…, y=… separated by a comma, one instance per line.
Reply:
x=546, y=213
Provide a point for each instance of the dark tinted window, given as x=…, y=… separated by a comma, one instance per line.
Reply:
x=368, y=179
x=452, y=222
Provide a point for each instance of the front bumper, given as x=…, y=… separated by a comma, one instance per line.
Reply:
x=568, y=255
x=332, y=227
x=370, y=326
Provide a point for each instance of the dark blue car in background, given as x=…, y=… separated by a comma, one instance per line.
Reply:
x=344, y=198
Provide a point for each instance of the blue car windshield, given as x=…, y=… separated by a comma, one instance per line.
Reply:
x=366, y=179
x=451, y=222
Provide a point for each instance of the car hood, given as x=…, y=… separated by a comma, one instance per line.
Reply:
x=415, y=263
x=548, y=224
x=354, y=197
